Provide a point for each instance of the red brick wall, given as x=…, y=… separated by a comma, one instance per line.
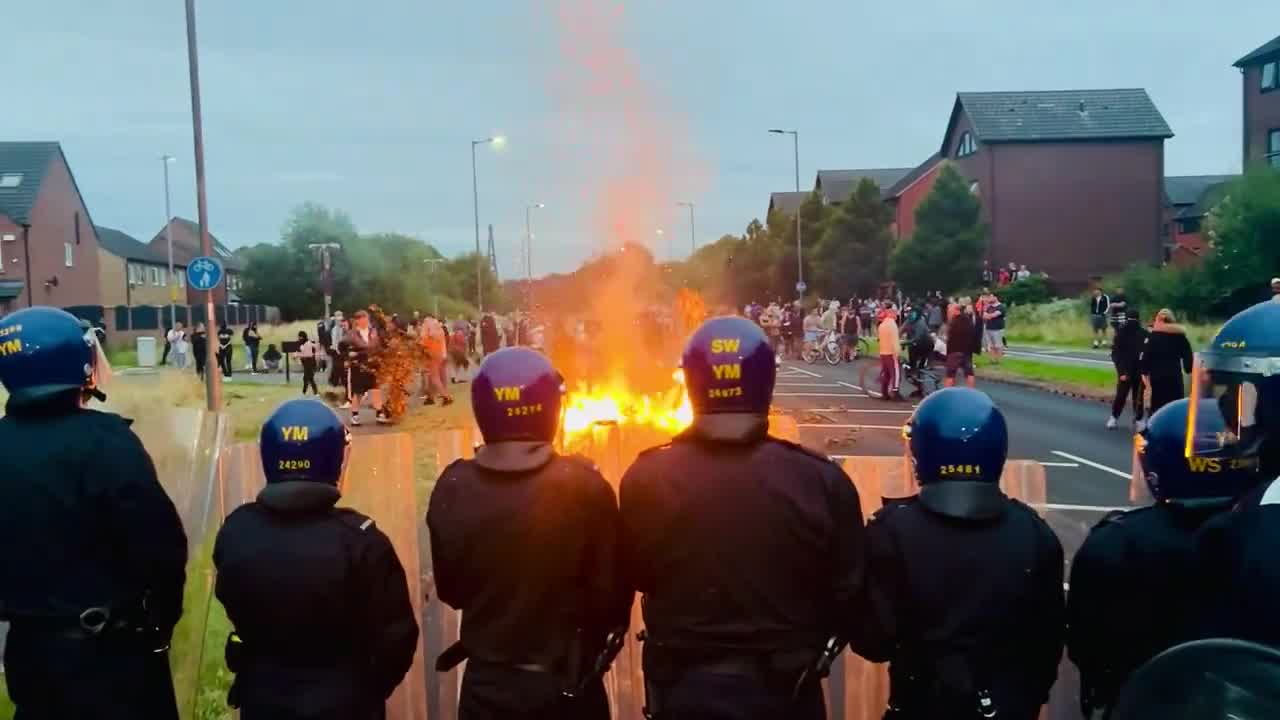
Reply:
x=978, y=167
x=910, y=199
x=1261, y=114
x=53, y=223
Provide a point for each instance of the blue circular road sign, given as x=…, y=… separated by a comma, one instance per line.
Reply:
x=204, y=273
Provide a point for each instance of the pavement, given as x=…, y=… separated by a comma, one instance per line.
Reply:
x=1088, y=468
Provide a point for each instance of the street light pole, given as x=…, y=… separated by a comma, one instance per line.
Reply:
x=212, y=378
x=693, y=229
x=326, y=271
x=435, y=295
x=496, y=140
x=528, y=255
x=168, y=238
x=662, y=234
x=795, y=137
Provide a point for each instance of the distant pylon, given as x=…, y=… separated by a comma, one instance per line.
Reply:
x=493, y=254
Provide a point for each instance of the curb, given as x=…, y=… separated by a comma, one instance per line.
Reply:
x=1071, y=392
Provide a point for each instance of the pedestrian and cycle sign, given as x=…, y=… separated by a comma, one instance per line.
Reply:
x=801, y=287
x=204, y=273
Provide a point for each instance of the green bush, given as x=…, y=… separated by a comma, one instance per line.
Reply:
x=1187, y=291
x=1025, y=292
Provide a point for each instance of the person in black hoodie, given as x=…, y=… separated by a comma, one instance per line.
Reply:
x=1166, y=357
x=200, y=348
x=1126, y=351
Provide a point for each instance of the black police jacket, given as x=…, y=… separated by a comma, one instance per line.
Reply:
x=1132, y=593
x=962, y=606
x=1237, y=571
x=740, y=541
x=84, y=521
x=319, y=599
x=524, y=542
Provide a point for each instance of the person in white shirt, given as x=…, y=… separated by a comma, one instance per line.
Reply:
x=178, y=347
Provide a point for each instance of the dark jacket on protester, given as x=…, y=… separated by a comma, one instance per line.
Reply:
x=1167, y=353
x=1126, y=351
x=962, y=336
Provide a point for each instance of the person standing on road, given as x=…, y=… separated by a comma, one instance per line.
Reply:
x=961, y=338
x=1166, y=357
x=225, y=337
x=200, y=348
x=362, y=345
x=993, y=317
x=524, y=541
x=308, y=355
x=177, y=341
x=850, y=331
x=435, y=349
x=1126, y=354
x=92, y=551
x=490, y=341
x=252, y=341
x=743, y=582
x=1117, y=309
x=964, y=597
x=1099, y=310
x=890, y=348
x=1134, y=556
x=324, y=625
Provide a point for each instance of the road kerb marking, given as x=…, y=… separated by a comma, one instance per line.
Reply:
x=818, y=394
x=855, y=410
x=1060, y=359
x=1092, y=464
x=840, y=426
x=803, y=384
x=1050, y=463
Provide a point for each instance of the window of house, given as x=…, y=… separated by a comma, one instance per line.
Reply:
x=10, y=180
x=1273, y=148
x=68, y=254
x=1269, y=75
x=1191, y=225
x=179, y=277
x=4, y=239
x=136, y=274
x=967, y=145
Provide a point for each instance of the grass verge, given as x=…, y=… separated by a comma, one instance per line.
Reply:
x=1091, y=381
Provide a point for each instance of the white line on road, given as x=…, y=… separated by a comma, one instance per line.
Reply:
x=791, y=384
x=855, y=410
x=859, y=427
x=817, y=394
x=792, y=368
x=1049, y=463
x=1092, y=464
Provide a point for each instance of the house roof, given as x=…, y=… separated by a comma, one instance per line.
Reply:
x=1262, y=53
x=1187, y=189
x=126, y=246
x=30, y=162
x=916, y=173
x=1058, y=115
x=229, y=259
x=837, y=185
x=787, y=202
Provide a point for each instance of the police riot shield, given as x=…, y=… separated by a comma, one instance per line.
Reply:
x=379, y=483
x=1217, y=678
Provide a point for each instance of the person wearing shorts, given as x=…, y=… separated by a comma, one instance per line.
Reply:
x=960, y=343
x=993, y=328
x=1099, y=309
x=363, y=344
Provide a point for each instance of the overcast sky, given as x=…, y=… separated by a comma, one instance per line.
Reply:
x=613, y=114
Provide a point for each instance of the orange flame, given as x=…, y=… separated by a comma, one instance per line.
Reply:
x=590, y=408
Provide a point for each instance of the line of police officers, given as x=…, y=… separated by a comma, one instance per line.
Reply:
x=750, y=553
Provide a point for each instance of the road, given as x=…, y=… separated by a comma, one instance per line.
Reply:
x=1088, y=468
x=1100, y=358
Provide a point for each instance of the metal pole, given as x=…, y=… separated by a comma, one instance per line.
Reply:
x=528, y=257
x=212, y=375
x=693, y=232
x=168, y=237
x=795, y=135
x=475, y=203
x=325, y=260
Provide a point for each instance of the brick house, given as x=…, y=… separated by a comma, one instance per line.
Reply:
x=186, y=246
x=787, y=203
x=134, y=273
x=1189, y=198
x=48, y=246
x=835, y=186
x=905, y=195
x=1260, y=105
x=1071, y=182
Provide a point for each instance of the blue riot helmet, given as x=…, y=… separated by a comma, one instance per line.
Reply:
x=304, y=440
x=516, y=397
x=729, y=367
x=1211, y=472
x=1239, y=375
x=45, y=351
x=958, y=442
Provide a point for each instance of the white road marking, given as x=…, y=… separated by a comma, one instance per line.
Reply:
x=793, y=368
x=1092, y=464
x=855, y=410
x=1061, y=359
x=801, y=384
x=818, y=394
x=1048, y=463
x=859, y=427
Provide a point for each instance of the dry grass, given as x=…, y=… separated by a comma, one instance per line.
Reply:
x=1065, y=323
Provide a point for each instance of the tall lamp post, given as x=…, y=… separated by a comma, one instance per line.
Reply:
x=326, y=271
x=496, y=141
x=693, y=229
x=528, y=254
x=212, y=378
x=168, y=238
x=662, y=234
x=795, y=137
x=435, y=295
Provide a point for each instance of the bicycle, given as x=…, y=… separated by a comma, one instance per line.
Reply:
x=926, y=380
x=828, y=348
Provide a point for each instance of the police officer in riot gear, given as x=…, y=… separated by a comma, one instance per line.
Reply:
x=1135, y=555
x=324, y=626
x=524, y=543
x=1239, y=375
x=747, y=549
x=966, y=583
x=92, y=552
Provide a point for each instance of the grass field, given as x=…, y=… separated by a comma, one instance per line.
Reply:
x=1093, y=379
x=1064, y=323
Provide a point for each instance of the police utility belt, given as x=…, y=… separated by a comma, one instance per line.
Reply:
x=575, y=676
x=95, y=623
x=950, y=682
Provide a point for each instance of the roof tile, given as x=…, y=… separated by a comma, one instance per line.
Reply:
x=1047, y=115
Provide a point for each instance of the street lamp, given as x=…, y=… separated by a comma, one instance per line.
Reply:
x=528, y=254
x=661, y=234
x=326, y=271
x=693, y=229
x=168, y=238
x=435, y=296
x=497, y=141
x=795, y=136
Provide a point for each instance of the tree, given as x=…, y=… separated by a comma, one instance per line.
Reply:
x=1243, y=229
x=852, y=255
x=945, y=252
x=462, y=271
x=814, y=215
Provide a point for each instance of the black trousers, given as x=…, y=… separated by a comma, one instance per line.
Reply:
x=502, y=692
x=253, y=356
x=1165, y=390
x=702, y=695
x=224, y=361
x=1124, y=389
x=309, y=375
x=200, y=362
x=164, y=358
